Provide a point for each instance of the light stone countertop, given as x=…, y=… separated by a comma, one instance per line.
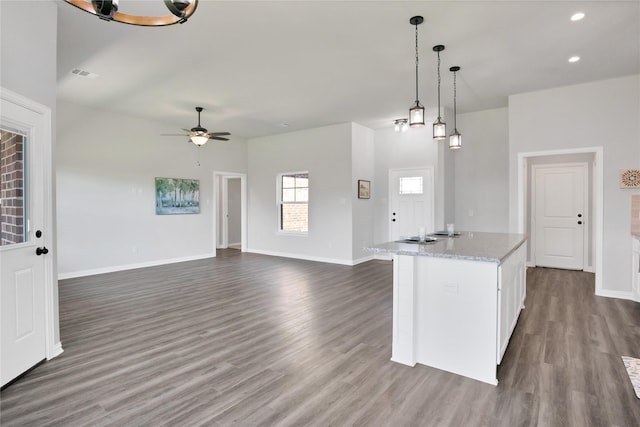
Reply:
x=474, y=246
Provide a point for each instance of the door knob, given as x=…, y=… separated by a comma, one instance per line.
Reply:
x=42, y=251
x=579, y=215
x=579, y=222
x=394, y=220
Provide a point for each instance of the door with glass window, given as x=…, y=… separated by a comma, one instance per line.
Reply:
x=23, y=240
x=411, y=202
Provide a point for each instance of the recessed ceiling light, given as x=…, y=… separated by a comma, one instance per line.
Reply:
x=577, y=16
x=574, y=59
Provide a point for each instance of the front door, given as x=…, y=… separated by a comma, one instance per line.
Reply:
x=559, y=215
x=24, y=268
x=411, y=198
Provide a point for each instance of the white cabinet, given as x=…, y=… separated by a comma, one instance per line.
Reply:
x=635, y=268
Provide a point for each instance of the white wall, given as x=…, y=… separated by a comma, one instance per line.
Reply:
x=106, y=165
x=362, y=152
x=326, y=154
x=412, y=149
x=481, y=178
x=28, y=35
x=604, y=113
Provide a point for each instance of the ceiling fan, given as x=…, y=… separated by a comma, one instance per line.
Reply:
x=199, y=135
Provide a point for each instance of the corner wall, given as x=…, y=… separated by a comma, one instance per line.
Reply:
x=363, y=209
x=604, y=113
x=481, y=177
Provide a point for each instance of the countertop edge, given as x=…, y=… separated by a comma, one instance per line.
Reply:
x=439, y=254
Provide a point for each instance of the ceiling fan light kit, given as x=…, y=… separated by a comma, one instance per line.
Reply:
x=199, y=140
x=107, y=10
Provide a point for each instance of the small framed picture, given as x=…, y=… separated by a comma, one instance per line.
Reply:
x=364, y=189
x=630, y=178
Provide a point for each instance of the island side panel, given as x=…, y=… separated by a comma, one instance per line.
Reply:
x=403, y=345
x=512, y=290
x=457, y=316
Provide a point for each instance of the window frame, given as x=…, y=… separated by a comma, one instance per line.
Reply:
x=280, y=203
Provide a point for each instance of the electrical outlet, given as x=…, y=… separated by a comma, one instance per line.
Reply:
x=451, y=288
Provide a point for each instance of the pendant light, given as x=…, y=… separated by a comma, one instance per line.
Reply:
x=455, y=138
x=439, y=127
x=416, y=113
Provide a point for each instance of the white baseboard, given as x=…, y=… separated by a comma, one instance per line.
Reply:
x=55, y=351
x=112, y=269
x=361, y=260
x=615, y=294
x=310, y=257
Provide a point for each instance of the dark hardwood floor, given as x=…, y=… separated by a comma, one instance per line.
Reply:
x=248, y=339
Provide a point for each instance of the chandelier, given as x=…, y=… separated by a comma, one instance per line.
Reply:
x=181, y=10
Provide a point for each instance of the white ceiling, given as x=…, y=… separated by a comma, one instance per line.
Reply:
x=255, y=65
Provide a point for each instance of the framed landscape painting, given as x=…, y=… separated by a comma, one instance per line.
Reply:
x=176, y=196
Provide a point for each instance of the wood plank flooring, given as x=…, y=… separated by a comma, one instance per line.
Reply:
x=246, y=339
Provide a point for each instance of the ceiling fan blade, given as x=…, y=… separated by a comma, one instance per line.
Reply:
x=218, y=138
x=218, y=133
x=188, y=131
x=174, y=134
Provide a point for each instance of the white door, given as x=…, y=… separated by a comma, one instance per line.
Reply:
x=559, y=215
x=411, y=200
x=24, y=267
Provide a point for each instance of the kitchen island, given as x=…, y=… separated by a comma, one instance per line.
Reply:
x=456, y=301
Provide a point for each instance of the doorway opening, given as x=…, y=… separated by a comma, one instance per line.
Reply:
x=230, y=213
x=591, y=217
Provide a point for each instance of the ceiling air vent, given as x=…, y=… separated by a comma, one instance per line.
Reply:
x=82, y=73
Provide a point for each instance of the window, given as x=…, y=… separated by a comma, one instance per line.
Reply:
x=293, y=201
x=13, y=189
x=411, y=185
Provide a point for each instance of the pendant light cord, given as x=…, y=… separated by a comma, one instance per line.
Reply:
x=438, y=84
x=416, y=63
x=455, y=115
